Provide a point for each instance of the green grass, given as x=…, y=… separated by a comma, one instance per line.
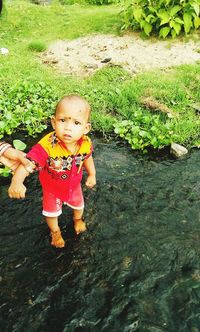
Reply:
x=26, y=29
x=37, y=46
x=23, y=23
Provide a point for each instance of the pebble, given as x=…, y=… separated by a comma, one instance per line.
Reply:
x=4, y=51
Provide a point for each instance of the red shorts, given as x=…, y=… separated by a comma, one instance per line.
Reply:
x=52, y=206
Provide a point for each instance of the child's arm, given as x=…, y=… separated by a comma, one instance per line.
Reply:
x=90, y=169
x=17, y=188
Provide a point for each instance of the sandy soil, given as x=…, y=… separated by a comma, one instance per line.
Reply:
x=83, y=56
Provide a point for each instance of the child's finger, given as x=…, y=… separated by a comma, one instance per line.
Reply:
x=90, y=184
x=16, y=193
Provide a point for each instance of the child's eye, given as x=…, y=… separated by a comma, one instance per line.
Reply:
x=62, y=120
x=77, y=122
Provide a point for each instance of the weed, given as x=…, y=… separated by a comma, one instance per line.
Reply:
x=37, y=46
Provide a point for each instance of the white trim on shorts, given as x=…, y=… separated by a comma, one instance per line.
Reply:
x=75, y=207
x=52, y=214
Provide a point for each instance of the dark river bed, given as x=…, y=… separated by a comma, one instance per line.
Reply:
x=137, y=268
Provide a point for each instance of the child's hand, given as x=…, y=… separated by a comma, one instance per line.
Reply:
x=16, y=190
x=91, y=181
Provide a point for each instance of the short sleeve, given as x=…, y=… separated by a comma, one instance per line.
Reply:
x=38, y=155
x=86, y=147
x=89, y=152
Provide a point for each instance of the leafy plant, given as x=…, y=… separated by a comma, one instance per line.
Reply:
x=164, y=17
x=26, y=107
x=115, y=96
x=146, y=130
x=5, y=171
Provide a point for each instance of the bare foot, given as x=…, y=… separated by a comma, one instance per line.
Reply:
x=57, y=239
x=79, y=226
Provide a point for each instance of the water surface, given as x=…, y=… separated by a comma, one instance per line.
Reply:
x=135, y=269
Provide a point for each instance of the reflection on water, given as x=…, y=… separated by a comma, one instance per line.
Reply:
x=136, y=269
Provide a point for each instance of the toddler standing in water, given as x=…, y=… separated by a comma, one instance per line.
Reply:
x=59, y=157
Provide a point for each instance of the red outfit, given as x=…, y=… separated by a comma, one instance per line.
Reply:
x=60, y=171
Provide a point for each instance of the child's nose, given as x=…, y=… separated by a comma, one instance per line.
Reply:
x=67, y=125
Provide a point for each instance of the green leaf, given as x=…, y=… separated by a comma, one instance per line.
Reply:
x=196, y=22
x=176, y=26
x=187, y=18
x=147, y=28
x=165, y=17
x=149, y=17
x=5, y=171
x=152, y=9
x=8, y=115
x=173, y=33
x=135, y=140
x=164, y=32
x=142, y=133
x=167, y=2
x=137, y=13
x=19, y=145
x=2, y=124
x=175, y=10
x=178, y=20
x=196, y=8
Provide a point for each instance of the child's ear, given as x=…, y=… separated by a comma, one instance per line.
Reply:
x=87, y=128
x=53, y=121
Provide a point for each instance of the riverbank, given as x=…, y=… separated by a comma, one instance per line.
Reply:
x=130, y=104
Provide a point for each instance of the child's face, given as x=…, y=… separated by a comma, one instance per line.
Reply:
x=71, y=121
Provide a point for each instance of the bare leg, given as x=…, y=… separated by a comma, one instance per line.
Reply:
x=79, y=224
x=56, y=237
x=52, y=222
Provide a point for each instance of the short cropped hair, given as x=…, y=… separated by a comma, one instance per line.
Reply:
x=74, y=98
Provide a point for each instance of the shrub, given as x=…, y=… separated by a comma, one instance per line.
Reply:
x=26, y=107
x=163, y=17
x=146, y=130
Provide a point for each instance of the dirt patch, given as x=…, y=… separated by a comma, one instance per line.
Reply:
x=83, y=56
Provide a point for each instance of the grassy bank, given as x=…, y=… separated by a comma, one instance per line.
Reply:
x=24, y=23
x=30, y=89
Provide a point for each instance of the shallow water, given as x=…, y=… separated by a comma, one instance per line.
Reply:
x=135, y=269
